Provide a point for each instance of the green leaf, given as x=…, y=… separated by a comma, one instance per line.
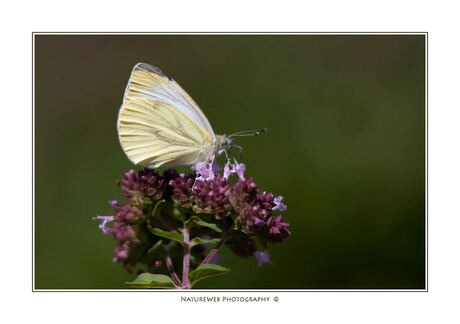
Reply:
x=150, y=280
x=198, y=221
x=168, y=235
x=205, y=271
x=199, y=240
x=157, y=207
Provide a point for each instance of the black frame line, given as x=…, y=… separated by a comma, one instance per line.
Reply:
x=33, y=289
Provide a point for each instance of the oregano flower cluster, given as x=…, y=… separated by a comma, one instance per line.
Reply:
x=167, y=222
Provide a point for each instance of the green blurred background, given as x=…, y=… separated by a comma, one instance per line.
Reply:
x=345, y=147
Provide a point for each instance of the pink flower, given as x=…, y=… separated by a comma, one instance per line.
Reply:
x=105, y=220
x=239, y=168
x=262, y=257
x=278, y=204
x=227, y=171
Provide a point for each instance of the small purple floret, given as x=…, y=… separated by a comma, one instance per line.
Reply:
x=262, y=257
x=215, y=167
x=204, y=171
x=121, y=253
x=239, y=168
x=105, y=220
x=278, y=204
x=227, y=171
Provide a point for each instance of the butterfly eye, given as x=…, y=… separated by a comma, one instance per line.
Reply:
x=226, y=141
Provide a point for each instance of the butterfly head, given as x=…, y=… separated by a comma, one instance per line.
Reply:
x=224, y=142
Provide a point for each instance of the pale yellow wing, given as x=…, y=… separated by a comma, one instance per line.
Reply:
x=154, y=133
x=147, y=81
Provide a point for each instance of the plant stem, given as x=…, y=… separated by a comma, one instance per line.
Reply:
x=213, y=251
x=166, y=224
x=173, y=273
x=186, y=262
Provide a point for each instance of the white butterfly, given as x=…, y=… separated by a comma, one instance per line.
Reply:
x=159, y=124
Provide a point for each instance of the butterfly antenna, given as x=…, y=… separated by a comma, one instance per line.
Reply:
x=249, y=133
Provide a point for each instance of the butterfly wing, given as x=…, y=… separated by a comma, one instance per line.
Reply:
x=153, y=124
x=153, y=133
x=148, y=81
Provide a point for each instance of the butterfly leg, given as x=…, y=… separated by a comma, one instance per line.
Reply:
x=226, y=155
x=240, y=149
x=193, y=187
x=211, y=164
